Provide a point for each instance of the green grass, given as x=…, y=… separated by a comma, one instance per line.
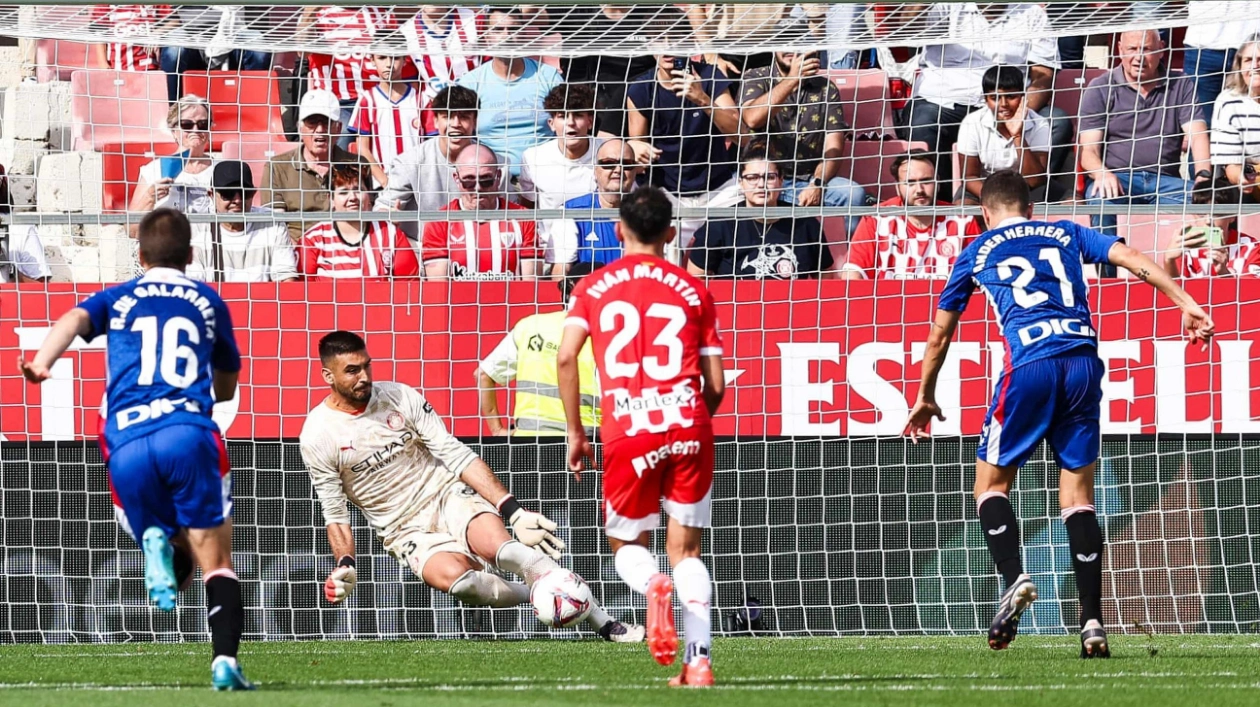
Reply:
x=1146, y=672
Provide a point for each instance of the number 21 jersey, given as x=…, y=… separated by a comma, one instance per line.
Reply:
x=650, y=322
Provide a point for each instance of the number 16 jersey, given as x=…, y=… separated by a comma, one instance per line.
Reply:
x=650, y=322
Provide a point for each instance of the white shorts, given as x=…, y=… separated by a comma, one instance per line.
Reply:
x=443, y=527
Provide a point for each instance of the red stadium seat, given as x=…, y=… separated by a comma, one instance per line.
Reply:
x=1149, y=233
x=257, y=153
x=56, y=59
x=1069, y=85
x=241, y=103
x=864, y=96
x=867, y=162
x=121, y=163
x=109, y=106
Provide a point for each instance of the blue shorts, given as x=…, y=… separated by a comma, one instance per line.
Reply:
x=1055, y=399
x=177, y=477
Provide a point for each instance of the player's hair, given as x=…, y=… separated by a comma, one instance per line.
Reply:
x=570, y=98
x=165, y=239
x=1003, y=78
x=647, y=214
x=571, y=279
x=1216, y=191
x=340, y=342
x=455, y=99
x=1006, y=190
x=921, y=155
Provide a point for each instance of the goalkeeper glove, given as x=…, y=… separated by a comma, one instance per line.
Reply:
x=341, y=582
x=532, y=529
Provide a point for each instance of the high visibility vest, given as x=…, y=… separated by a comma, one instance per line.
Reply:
x=538, y=407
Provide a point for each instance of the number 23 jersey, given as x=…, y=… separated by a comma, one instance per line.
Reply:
x=1030, y=271
x=650, y=322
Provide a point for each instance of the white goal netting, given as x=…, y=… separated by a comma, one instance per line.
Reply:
x=824, y=160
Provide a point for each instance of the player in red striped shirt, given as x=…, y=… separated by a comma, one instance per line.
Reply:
x=392, y=117
x=463, y=247
x=349, y=71
x=355, y=248
x=128, y=21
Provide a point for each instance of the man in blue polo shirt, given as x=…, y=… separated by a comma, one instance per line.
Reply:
x=588, y=239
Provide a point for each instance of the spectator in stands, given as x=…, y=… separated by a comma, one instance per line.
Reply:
x=909, y=246
x=348, y=72
x=445, y=44
x=124, y=21
x=833, y=25
x=391, y=117
x=22, y=256
x=512, y=90
x=686, y=111
x=948, y=86
x=189, y=50
x=1210, y=47
x=1236, y=123
x=1005, y=135
x=1134, y=120
x=180, y=181
x=799, y=112
x=564, y=168
x=762, y=247
x=1211, y=244
x=298, y=180
x=253, y=251
x=495, y=250
x=592, y=240
x=354, y=247
x=735, y=24
x=423, y=177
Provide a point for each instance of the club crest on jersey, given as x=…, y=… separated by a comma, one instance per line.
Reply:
x=773, y=260
x=394, y=421
x=417, y=123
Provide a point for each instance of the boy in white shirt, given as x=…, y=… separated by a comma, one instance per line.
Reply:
x=564, y=168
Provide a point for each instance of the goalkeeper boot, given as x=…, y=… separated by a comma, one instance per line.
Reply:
x=617, y=632
x=697, y=673
x=225, y=674
x=159, y=569
x=1018, y=597
x=662, y=637
x=1094, y=640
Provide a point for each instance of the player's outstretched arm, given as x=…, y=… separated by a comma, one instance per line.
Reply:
x=76, y=322
x=926, y=408
x=571, y=396
x=340, y=583
x=1195, y=321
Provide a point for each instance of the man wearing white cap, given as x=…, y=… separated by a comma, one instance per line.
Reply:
x=298, y=180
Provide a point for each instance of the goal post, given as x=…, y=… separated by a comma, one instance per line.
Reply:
x=826, y=520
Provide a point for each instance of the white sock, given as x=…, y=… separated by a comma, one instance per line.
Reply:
x=635, y=565
x=523, y=561
x=694, y=590
x=598, y=617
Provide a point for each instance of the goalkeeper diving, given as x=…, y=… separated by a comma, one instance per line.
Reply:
x=435, y=505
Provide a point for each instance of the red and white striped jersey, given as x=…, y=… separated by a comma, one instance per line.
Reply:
x=383, y=252
x=480, y=250
x=442, y=57
x=1242, y=257
x=891, y=246
x=125, y=21
x=349, y=71
x=394, y=126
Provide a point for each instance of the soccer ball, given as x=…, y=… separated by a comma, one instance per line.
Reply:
x=561, y=599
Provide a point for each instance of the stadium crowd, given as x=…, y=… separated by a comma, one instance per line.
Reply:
x=451, y=126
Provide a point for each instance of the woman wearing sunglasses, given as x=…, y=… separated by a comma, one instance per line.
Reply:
x=182, y=180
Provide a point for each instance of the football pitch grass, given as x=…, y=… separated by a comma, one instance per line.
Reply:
x=1146, y=671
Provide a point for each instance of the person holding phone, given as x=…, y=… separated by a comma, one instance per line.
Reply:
x=181, y=181
x=1211, y=244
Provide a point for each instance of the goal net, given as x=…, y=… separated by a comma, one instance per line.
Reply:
x=824, y=161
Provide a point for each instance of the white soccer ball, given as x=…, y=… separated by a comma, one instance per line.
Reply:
x=561, y=599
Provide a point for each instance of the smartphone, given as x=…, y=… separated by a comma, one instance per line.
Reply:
x=680, y=63
x=1215, y=237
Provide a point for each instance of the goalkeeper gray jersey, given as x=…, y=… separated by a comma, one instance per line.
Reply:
x=392, y=460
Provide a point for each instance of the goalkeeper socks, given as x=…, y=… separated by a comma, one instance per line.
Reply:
x=226, y=614
x=635, y=565
x=523, y=561
x=694, y=590
x=1001, y=532
x=488, y=589
x=1086, y=543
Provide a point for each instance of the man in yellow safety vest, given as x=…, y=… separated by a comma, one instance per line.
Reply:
x=528, y=356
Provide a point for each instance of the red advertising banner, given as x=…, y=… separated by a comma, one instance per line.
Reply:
x=803, y=358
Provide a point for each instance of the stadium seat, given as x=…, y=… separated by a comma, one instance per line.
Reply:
x=1069, y=85
x=1149, y=233
x=864, y=94
x=241, y=103
x=257, y=153
x=56, y=59
x=109, y=106
x=867, y=161
x=120, y=167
